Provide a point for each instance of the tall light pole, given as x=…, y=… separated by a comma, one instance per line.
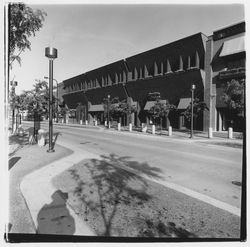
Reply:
x=192, y=111
x=50, y=53
x=108, y=111
x=46, y=77
x=128, y=101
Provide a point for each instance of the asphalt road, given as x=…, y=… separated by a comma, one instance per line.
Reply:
x=207, y=169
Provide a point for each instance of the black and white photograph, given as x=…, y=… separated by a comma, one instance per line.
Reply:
x=125, y=122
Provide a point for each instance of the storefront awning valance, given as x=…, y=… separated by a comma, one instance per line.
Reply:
x=149, y=104
x=94, y=108
x=233, y=46
x=184, y=103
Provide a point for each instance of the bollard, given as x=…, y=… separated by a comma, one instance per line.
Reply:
x=144, y=128
x=119, y=127
x=230, y=133
x=20, y=131
x=109, y=125
x=86, y=122
x=153, y=129
x=130, y=127
x=62, y=121
x=67, y=120
x=105, y=123
x=210, y=132
x=95, y=122
x=41, y=137
x=81, y=122
x=169, y=131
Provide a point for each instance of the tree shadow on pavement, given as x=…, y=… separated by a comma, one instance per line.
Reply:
x=158, y=228
x=54, y=218
x=113, y=180
x=113, y=195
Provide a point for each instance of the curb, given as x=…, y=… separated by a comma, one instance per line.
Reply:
x=195, y=140
x=67, y=125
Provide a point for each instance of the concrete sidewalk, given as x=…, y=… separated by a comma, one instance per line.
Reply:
x=199, y=137
x=24, y=159
x=41, y=196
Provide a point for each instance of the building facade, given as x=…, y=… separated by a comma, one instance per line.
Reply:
x=224, y=61
x=169, y=71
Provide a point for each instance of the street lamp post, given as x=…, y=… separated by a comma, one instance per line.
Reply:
x=108, y=111
x=128, y=102
x=192, y=110
x=46, y=77
x=50, y=53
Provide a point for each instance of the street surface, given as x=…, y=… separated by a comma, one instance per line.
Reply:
x=207, y=169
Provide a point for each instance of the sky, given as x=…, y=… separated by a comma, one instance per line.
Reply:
x=91, y=36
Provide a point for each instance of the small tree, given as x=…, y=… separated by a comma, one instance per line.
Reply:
x=107, y=102
x=160, y=110
x=198, y=108
x=121, y=109
x=234, y=96
x=36, y=98
x=63, y=111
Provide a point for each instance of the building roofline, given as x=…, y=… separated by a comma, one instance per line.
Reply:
x=170, y=43
x=231, y=25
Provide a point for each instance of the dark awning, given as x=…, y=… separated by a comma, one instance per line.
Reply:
x=233, y=46
x=94, y=108
x=184, y=103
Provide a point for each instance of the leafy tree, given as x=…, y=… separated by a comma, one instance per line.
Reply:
x=36, y=99
x=121, y=109
x=198, y=108
x=234, y=96
x=107, y=105
x=24, y=22
x=160, y=110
